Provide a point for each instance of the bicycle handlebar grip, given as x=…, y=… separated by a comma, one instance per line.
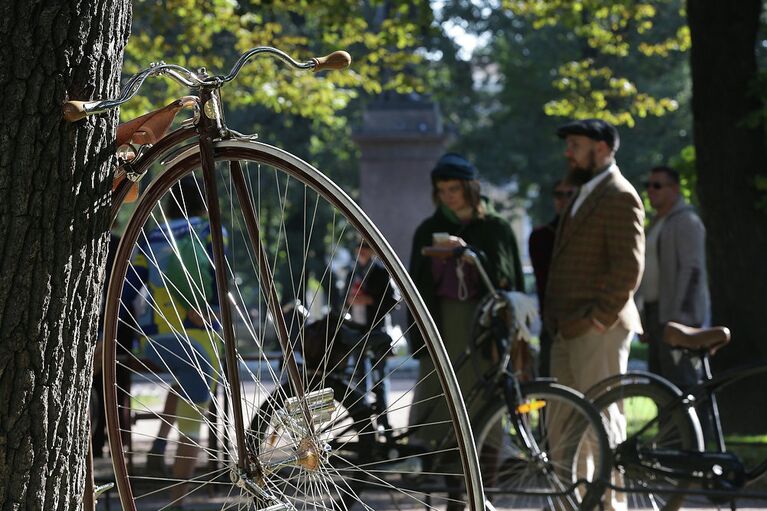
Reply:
x=336, y=60
x=74, y=110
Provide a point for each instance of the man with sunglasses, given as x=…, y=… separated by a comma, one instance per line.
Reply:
x=540, y=247
x=674, y=285
x=595, y=269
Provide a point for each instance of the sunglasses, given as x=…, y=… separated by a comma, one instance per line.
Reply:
x=563, y=194
x=655, y=185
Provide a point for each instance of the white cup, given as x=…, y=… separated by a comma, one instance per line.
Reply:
x=440, y=237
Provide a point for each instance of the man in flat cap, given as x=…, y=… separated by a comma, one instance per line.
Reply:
x=596, y=266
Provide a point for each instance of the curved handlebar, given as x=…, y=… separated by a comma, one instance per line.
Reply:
x=524, y=311
x=76, y=110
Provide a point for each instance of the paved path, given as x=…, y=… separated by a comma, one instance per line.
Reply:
x=145, y=430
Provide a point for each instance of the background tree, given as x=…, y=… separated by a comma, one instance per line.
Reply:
x=731, y=149
x=54, y=217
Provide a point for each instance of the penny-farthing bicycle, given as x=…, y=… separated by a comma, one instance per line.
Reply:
x=202, y=275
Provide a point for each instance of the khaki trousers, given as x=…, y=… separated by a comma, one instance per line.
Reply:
x=581, y=362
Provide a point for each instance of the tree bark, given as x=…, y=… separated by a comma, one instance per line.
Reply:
x=730, y=153
x=54, y=219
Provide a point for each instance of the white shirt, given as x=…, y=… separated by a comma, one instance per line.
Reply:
x=588, y=187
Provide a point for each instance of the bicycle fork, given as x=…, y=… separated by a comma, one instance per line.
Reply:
x=250, y=471
x=308, y=453
x=519, y=412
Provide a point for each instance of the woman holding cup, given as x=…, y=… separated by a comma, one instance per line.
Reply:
x=452, y=289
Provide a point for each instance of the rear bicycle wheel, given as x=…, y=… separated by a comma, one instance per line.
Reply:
x=573, y=463
x=285, y=226
x=650, y=426
x=742, y=430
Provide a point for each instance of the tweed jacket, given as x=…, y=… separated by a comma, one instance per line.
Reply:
x=597, y=261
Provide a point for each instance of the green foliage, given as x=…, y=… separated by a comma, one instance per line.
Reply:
x=594, y=83
x=212, y=33
x=590, y=91
x=684, y=163
x=761, y=185
x=305, y=113
x=308, y=115
x=508, y=115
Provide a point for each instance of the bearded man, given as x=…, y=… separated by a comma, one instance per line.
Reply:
x=596, y=267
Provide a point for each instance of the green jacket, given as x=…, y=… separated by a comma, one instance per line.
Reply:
x=491, y=237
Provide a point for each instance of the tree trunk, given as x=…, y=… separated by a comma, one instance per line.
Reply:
x=730, y=153
x=54, y=219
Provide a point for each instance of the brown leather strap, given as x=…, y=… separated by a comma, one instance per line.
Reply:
x=147, y=129
x=150, y=127
x=681, y=336
x=132, y=194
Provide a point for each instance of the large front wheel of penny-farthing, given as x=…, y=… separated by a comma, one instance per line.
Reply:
x=310, y=289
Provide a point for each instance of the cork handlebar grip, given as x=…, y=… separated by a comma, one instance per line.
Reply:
x=336, y=60
x=74, y=110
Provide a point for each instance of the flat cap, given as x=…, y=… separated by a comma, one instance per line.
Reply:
x=595, y=129
x=453, y=166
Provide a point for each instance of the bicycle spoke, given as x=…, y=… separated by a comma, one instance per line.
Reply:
x=301, y=375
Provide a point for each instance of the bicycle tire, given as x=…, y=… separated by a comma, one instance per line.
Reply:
x=516, y=478
x=289, y=183
x=742, y=436
x=641, y=397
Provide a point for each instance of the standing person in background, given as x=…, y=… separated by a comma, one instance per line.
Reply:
x=451, y=289
x=158, y=282
x=371, y=296
x=122, y=374
x=540, y=248
x=595, y=269
x=674, y=285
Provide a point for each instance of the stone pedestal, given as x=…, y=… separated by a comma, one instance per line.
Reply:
x=400, y=140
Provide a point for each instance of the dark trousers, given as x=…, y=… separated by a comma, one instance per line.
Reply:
x=677, y=366
x=544, y=355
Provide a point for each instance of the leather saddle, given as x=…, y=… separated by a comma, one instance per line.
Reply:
x=682, y=336
x=146, y=130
